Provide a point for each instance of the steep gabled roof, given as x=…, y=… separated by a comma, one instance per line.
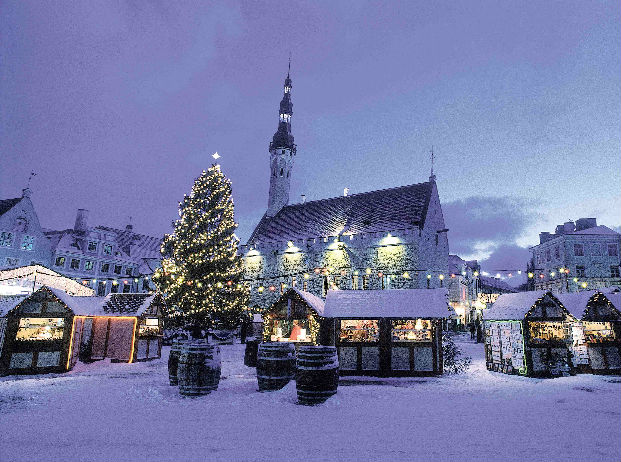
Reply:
x=514, y=307
x=8, y=204
x=136, y=245
x=384, y=210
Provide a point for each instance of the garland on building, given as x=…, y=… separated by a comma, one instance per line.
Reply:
x=201, y=274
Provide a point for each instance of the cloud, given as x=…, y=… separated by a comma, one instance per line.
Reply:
x=507, y=259
x=479, y=226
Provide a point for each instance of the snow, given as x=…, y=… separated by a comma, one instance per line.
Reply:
x=513, y=306
x=406, y=303
x=105, y=411
x=313, y=301
x=601, y=229
x=576, y=302
x=94, y=306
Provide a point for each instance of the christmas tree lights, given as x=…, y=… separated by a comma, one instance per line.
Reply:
x=201, y=273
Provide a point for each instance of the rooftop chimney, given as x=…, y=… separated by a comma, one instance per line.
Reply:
x=569, y=227
x=81, y=220
x=303, y=197
x=585, y=223
x=544, y=237
x=129, y=226
x=345, y=192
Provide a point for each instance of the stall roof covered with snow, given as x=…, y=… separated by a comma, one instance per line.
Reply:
x=390, y=303
x=26, y=279
x=515, y=306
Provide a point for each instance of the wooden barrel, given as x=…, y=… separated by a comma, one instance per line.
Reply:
x=317, y=373
x=275, y=365
x=173, y=362
x=199, y=368
x=252, y=349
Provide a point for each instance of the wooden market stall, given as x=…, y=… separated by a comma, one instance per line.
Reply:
x=597, y=336
x=121, y=327
x=294, y=317
x=386, y=332
x=49, y=330
x=529, y=333
x=37, y=334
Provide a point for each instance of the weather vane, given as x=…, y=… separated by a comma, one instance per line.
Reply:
x=215, y=155
x=432, y=159
x=32, y=175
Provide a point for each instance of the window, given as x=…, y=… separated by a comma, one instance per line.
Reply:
x=305, y=286
x=579, y=250
x=107, y=249
x=293, y=281
x=105, y=267
x=543, y=331
x=361, y=330
x=598, y=332
x=613, y=250
x=92, y=246
x=40, y=329
x=88, y=265
x=557, y=253
x=60, y=261
x=289, y=330
x=127, y=288
x=436, y=239
x=411, y=330
x=365, y=282
x=614, y=272
x=115, y=287
x=149, y=327
x=75, y=263
x=548, y=255
x=354, y=282
x=128, y=271
x=6, y=239
x=580, y=271
x=117, y=269
x=28, y=242
x=12, y=261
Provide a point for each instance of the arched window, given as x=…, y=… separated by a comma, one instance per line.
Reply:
x=281, y=172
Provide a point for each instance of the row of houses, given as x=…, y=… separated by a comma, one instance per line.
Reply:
x=106, y=259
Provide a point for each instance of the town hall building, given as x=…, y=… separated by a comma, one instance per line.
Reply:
x=388, y=239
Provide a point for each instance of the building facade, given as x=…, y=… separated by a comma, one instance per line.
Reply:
x=578, y=256
x=392, y=238
x=22, y=240
x=105, y=259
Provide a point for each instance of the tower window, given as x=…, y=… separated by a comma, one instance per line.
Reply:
x=288, y=174
x=281, y=172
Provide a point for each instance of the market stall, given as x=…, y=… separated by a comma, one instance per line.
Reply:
x=599, y=330
x=37, y=334
x=386, y=332
x=529, y=333
x=49, y=330
x=295, y=317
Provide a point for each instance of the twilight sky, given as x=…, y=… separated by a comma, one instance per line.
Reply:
x=119, y=105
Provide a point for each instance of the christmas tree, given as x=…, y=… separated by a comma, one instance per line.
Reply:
x=201, y=273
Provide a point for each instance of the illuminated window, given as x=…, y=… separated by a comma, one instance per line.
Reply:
x=88, y=265
x=289, y=330
x=107, y=249
x=60, y=261
x=354, y=282
x=598, y=332
x=579, y=250
x=365, y=282
x=27, y=242
x=543, y=331
x=40, y=329
x=353, y=330
x=305, y=286
x=293, y=281
x=6, y=239
x=411, y=330
x=150, y=326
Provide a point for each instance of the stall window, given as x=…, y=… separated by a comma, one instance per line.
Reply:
x=149, y=327
x=366, y=330
x=289, y=330
x=598, y=332
x=411, y=330
x=543, y=331
x=40, y=329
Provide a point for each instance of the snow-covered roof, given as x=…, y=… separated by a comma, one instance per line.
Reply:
x=615, y=299
x=513, y=306
x=110, y=305
x=384, y=210
x=391, y=303
x=8, y=302
x=601, y=229
x=576, y=302
x=43, y=277
x=313, y=301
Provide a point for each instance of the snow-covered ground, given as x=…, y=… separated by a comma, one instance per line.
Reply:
x=128, y=412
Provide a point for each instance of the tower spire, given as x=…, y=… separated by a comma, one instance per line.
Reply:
x=432, y=177
x=282, y=152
